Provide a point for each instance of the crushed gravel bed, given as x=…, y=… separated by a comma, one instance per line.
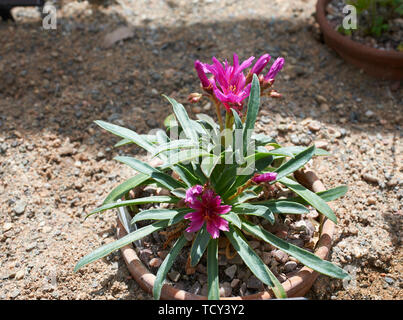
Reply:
x=56, y=165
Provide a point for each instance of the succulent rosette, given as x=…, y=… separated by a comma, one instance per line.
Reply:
x=215, y=183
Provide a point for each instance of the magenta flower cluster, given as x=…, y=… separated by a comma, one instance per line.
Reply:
x=229, y=84
x=208, y=209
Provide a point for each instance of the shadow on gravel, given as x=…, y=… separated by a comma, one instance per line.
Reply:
x=61, y=80
x=113, y=281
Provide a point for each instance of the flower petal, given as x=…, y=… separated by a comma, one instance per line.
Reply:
x=212, y=229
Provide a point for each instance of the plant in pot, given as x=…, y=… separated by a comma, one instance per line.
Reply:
x=374, y=42
x=218, y=180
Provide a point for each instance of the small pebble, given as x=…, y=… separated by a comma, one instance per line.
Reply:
x=20, y=274
x=280, y=256
x=174, y=275
x=225, y=290
x=235, y=283
x=230, y=271
x=20, y=207
x=155, y=262
x=290, y=266
x=254, y=283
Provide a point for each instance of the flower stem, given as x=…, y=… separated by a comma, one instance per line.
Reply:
x=218, y=111
x=229, y=120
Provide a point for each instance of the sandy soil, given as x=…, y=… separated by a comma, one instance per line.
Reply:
x=56, y=165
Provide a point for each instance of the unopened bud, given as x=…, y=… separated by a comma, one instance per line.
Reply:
x=194, y=97
x=274, y=94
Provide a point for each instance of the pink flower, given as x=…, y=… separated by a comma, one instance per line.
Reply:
x=275, y=68
x=269, y=176
x=208, y=208
x=229, y=81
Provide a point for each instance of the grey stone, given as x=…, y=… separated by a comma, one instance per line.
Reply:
x=14, y=294
x=31, y=246
x=254, y=283
x=280, y=256
x=225, y=290
x=20, y=206
x=195, y=288
x=230, y=271
x=290, y=266
x=174, y=275
x=235, y=283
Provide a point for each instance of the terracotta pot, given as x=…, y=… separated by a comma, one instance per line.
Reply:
x=296, y=286
x=382, y=64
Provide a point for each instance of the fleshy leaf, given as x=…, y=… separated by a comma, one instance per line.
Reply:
x=312, y=198
x=199, y=245
x=212, y=270
x=254, y=263
x=166, y=266
x=127, y=239
x=305, y=257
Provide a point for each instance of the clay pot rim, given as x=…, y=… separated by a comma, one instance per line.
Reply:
x=350, y=46
x=295, y=286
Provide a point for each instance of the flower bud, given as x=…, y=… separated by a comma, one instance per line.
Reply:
x=202, y=75
x=194, y=97
x=268, y=176
x=274, y=94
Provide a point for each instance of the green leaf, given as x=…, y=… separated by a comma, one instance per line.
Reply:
x=207, y=119
x=170, y=121
x=305, y=257
x=212, y=270
x=226, y=179
x=276, y=152
x=208, y=164
x=126, y=134
x=252, y=111
x=312, y=198
x=183, y=119
x=242, y=177
x=284, y=207
x=180, y=192
x=127, y=239
x=184, y=156
x=159, y=214
x=166, y=266
x=199, y=246
x=254, y=210
x=123, y=142
x=254, y=263
x=233, y=218
x=298, y=149
x=174, y=145
x=125, y=187
x=262, y=139
x=188, y=177
x=328, y=195
x=153, y=199
x=295, y=163
x=237, y=120
x=164, y=179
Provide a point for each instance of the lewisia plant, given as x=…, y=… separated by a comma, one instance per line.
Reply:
x=217, y=179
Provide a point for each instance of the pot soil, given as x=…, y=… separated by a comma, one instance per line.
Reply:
x=382, y=64
x=295, y=286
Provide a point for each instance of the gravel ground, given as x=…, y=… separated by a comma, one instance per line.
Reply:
x=56, y=165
